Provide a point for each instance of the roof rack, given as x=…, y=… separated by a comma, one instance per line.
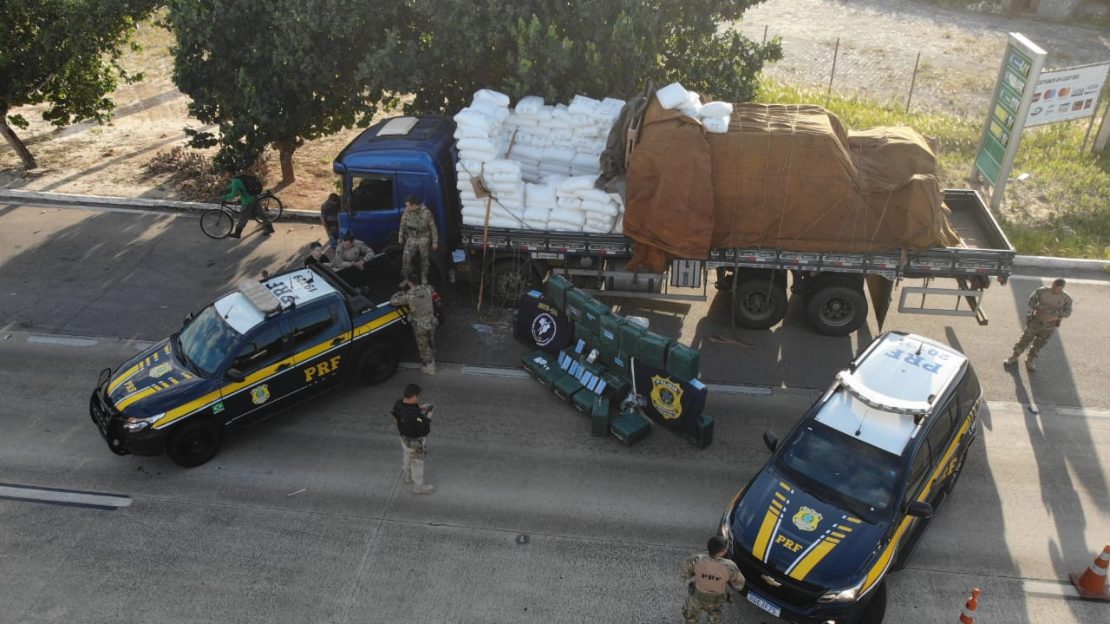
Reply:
x=260, y=296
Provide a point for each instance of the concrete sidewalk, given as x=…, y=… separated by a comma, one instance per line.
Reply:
x=307, y=216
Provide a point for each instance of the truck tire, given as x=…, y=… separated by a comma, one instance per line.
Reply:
x=509, y=279
x=836, y=306
x=378, y=363
x=194, y=442
x=758, y=302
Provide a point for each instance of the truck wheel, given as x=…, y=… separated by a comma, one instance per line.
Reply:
x=836, y=306
x=194, y=443
x=508, y=280
x=875, y=610
x=378, y=363
x=758, y=303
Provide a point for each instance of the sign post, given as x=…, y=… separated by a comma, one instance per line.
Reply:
x=1010, y=105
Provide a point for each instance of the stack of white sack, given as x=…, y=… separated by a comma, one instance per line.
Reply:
x=580, y=207
x=715, y=116
x=524, y=158
x=478, y=126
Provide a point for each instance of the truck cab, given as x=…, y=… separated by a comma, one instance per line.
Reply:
x=388, y=162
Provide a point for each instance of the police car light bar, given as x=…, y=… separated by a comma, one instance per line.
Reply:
x=917, y=408
x=259, y=296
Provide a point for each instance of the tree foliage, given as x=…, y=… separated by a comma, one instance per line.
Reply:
x=63, y=53
x=561, y=48
x=277, y=72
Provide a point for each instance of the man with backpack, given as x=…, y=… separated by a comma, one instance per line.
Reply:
x=247, y=188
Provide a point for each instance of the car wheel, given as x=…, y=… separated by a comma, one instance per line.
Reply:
x=194, y=443
x=836, y=306
x=875, y=610
x=378, y=363
x=758, y=303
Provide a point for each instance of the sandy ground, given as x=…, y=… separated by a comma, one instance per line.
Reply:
x=150, y=117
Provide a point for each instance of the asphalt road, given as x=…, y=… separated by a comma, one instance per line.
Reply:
x=303, y=519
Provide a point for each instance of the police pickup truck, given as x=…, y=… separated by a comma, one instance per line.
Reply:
x=849, y=492
x=253, y=352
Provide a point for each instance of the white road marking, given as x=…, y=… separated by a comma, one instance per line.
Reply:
x=68, y=341
x=485, y=371
x=740, y=389
x=1074, y=412
x=64, y=497
x=1083, y=412
x=1062, y=589
x=1048, y=280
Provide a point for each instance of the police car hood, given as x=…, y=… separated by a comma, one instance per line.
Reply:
x=152, y=382
x=801, y=536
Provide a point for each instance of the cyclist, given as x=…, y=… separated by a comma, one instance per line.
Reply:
x=249, y=204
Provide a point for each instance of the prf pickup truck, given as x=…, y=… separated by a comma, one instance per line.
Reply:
x=253, y=352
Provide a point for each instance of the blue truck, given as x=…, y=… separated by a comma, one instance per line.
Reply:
x=417, y=156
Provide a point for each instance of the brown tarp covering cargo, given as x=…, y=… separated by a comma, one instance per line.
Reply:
x=783, y=177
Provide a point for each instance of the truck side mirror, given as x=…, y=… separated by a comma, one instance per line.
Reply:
x=188, y=317
x=920, y=509
x=236, y=375
x=771, y=440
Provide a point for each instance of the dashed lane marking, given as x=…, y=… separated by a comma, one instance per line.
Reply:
x=67, y=341
x=1060, y=589
x=69, y=498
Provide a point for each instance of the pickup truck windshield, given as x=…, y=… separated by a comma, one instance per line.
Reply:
x=207, y=340
x=857, y=475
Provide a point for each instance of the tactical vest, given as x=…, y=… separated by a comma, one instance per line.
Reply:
x=711, y=576
x=415, y=224
x=421, y=305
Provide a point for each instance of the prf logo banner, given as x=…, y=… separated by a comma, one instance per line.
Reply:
x=1009, y=107
x=1067, y=94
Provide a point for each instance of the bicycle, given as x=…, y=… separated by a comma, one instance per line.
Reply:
x=219, y=222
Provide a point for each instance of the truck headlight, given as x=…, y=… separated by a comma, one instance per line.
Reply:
x=849, y=594
x=135, y=425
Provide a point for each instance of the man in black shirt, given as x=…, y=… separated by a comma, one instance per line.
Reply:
x=316, y=255
x=414, y=422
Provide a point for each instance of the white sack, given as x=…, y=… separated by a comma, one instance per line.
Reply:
x=672, y=95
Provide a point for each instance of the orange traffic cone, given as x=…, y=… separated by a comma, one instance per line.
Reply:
x=1092, y=584
x=968, y=615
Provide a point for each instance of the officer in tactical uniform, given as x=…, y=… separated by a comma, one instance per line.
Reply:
x=711, y=575
x=419, y=235
x=422, y=317
x=1047, y=306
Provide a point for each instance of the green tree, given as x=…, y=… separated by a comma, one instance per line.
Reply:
x=557, y=49
x=277, y=72
x=63, y=53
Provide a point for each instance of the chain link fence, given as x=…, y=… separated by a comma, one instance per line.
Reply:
x=904, y=76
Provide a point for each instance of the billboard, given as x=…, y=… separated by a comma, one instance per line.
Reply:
x=1066, y=94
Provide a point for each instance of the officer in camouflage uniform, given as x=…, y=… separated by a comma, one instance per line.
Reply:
x=711, y=575
x=422, y=317
x=1047, y=306
x=419, y=235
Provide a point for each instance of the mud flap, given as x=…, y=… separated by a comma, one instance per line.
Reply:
x=881, y=290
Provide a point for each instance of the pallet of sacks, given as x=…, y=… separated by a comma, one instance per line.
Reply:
x=612, y=369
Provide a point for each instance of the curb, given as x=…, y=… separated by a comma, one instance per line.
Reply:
x=161, y=205
x=305, y=216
